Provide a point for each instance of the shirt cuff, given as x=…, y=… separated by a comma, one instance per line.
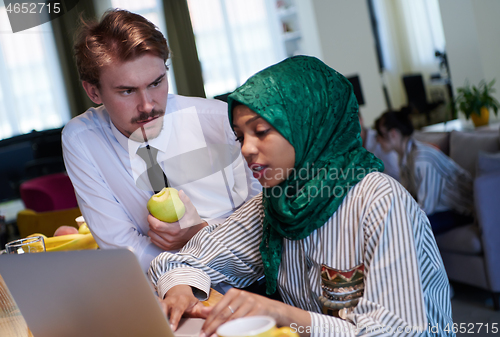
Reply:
x=186, y=276
x=323, y=325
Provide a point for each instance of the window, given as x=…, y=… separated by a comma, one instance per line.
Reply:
x=410, y=32
x=32, y=95
x=234, y=39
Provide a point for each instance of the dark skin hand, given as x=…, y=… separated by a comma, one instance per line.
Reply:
x=180, y=300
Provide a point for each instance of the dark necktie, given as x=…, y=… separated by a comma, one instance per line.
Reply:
x=156, y=176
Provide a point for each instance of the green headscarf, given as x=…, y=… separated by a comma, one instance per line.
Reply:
x=315, y=109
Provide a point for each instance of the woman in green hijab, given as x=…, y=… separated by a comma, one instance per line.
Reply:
x=348, y=249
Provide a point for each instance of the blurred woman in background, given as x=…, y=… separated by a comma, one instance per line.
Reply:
x=441, y=187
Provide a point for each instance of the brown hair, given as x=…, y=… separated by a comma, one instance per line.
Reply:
x=399, y=120
x=119, y=36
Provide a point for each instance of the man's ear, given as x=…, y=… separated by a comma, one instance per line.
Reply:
x=93, y=92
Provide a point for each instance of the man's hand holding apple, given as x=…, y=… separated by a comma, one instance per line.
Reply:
x=174, y=235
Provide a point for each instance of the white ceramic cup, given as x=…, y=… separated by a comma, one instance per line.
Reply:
x=253, y=326
x=80, y=221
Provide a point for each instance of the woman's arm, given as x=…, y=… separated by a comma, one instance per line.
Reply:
x=218, y=253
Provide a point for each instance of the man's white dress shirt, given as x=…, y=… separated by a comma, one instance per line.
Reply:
x=197, y=151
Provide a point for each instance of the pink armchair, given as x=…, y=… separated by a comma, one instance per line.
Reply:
x=48, y=193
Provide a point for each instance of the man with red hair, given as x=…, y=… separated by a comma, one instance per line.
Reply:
x=138, y=128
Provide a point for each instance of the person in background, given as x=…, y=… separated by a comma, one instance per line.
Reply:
x=346, y=246
x=441, y=187
x=139, y=132
x=390, y=159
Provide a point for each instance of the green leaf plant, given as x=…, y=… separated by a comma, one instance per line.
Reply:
x=470, y=99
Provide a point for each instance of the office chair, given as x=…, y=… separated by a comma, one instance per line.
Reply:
x=417, y=97
x=356, y=86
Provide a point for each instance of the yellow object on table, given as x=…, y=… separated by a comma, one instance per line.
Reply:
x=213, y=298
x=70, y=242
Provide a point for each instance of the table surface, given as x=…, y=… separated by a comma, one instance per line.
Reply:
x=461, y=125
x=12, y=323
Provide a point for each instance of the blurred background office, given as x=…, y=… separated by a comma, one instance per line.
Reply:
x=395, y=52
x=218, y=44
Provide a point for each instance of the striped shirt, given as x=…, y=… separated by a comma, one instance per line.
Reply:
x=435, y=180
x=378, y=224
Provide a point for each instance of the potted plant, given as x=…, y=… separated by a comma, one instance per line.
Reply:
x=475, y=102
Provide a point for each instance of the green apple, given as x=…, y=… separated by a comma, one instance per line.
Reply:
x=166, y=205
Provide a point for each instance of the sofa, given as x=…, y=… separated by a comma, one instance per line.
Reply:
x=471, y=254
x=50, y=192
x=46, y=223
x=28, y=156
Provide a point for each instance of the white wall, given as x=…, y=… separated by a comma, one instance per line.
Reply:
x=310, y=43
x=487, y=14
x=339, y=33
x=462, y=45
x=472, y=33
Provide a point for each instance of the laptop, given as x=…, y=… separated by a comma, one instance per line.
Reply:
x=87, y=293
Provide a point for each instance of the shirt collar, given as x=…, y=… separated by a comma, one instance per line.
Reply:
x=122, y=140
x=161, y=141
x=409, y=145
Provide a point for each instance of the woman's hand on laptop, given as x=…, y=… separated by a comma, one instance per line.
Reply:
x=179, y=300
x=174, y=235
x=239, y=303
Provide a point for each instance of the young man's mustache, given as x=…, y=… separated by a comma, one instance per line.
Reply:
x=145, y=116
